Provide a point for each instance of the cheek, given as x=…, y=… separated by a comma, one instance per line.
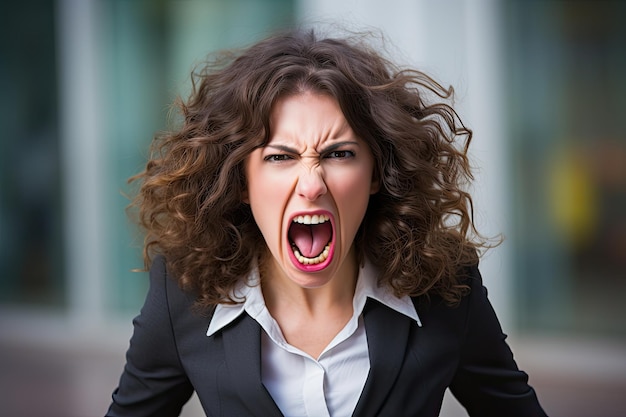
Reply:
x=267, y=196
x=269, y=189
x=352, y=198
x=259, y=185
x=358, y=196
x=361, y=185
x=262, y=200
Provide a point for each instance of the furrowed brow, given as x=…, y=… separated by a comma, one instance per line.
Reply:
x=337, y=145
x=283, y=148
x=330, y=148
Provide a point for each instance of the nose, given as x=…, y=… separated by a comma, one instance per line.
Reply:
x=311, y=185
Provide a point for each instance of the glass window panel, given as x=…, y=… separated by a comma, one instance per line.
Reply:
x=31, y=244
x=567, y=101
x=150, y=49
x=145, y=52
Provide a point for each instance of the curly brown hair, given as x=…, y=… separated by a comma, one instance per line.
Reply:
x=418, y=229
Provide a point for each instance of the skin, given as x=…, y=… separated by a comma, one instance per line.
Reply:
x=313, y=164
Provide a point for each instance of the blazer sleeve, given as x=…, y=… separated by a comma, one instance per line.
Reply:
x=488, y=381
x=153, y=382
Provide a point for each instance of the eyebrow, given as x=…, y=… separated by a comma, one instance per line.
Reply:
x=327, y=149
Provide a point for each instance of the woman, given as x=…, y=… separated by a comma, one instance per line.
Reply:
x=312, y=251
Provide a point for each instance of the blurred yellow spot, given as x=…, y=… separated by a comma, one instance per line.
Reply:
x=573, y=197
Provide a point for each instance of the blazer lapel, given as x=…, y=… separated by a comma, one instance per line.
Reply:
x=242, y=351
x=387, y=336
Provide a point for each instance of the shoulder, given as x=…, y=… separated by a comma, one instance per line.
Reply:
x=468, y=278
x=434, y=310
x=472, y=321
x=176, y=308
x=166, y=295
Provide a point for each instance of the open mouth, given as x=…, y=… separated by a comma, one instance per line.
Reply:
x=310, y=237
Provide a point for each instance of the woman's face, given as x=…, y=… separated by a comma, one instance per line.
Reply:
x=309, y=187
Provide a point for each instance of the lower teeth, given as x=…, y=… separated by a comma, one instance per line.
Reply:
x=312, y=261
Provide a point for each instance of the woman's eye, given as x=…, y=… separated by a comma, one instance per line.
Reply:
x=339, y=154
x=277, y=158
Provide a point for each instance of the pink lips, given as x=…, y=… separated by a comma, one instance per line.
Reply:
x=322, y=265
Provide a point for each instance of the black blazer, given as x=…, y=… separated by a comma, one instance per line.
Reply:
x=463, y=348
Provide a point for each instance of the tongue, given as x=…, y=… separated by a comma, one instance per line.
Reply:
x=310, y=239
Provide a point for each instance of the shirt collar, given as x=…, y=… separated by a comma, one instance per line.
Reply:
x=254, y=304
x=367, y=287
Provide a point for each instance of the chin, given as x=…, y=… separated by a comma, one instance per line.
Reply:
x=313, y=277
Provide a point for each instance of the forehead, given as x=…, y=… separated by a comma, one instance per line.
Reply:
x=317, y=101
x=307, y=115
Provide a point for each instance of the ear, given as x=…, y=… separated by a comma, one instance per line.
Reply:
x=244, y=197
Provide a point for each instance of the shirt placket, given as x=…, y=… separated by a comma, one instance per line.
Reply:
x=313, y=389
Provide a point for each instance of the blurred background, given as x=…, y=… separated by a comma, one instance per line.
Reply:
x=85, y=84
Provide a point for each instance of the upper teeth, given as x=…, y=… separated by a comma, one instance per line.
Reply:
x=314, y=219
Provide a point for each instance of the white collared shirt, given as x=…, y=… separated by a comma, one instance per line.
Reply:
x=301, y=385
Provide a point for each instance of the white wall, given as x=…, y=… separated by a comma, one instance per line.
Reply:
x=82, y=147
